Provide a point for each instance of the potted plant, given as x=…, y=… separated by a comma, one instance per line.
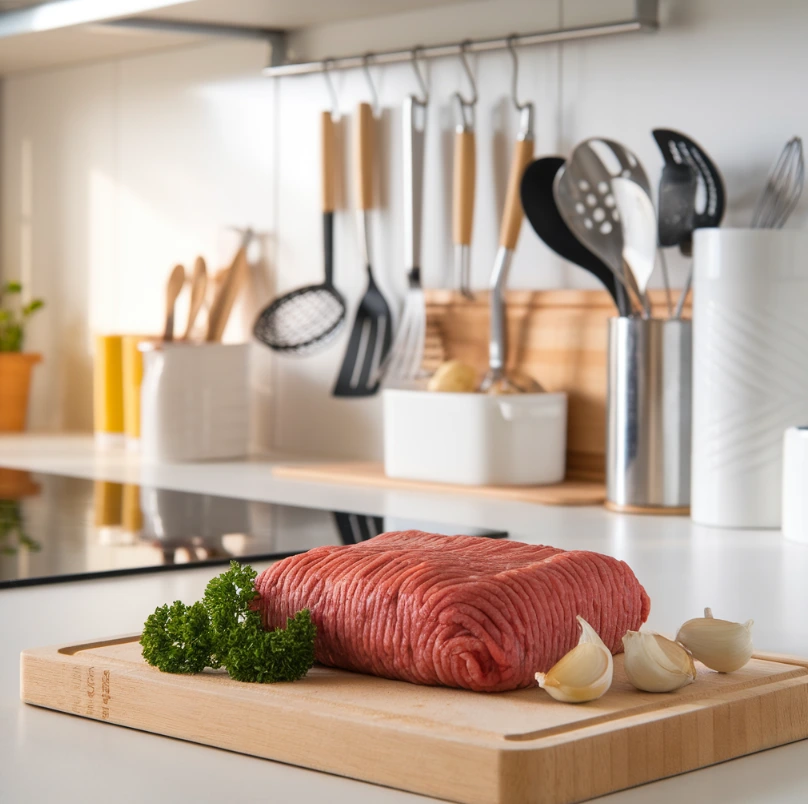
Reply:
x=15, y=365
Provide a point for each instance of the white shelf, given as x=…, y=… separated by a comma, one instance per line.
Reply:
x=41, y=35
x=36, y=35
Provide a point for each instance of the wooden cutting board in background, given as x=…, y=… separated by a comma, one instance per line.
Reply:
x=508, y=748
x=359, y=473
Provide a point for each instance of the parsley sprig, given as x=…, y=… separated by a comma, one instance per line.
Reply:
x=224, y=630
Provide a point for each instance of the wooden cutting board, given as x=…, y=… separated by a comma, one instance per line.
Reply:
x=356, y=473
x=515, y=748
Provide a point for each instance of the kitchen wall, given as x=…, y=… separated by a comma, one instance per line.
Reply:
x=112, y=172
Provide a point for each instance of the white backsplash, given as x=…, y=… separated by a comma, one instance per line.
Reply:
x=112, y=172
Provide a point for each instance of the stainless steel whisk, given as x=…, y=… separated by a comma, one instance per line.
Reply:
x=783, y=188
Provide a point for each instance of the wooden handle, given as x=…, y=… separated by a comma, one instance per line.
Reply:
x=199, y=286
x=512, y=215
x=222, y=305
x=464, y=178
x=328, y=161
x=363, y=155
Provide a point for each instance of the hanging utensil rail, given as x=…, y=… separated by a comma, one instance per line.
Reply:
x=645, y=19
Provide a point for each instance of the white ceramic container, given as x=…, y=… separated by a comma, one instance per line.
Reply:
x=750, y=370
x=475, y=439
x=795, y=484
x=194, y=402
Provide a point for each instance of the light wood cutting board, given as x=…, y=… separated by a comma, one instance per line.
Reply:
x=515, y=748
x=360, y=473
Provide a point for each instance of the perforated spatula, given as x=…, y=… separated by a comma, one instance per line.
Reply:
x=371, y=335
x=677, y=149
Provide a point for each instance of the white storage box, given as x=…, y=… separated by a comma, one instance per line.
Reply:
x=475, y=439
x=194, y=401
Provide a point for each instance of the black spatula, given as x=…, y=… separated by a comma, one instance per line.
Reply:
x=371, y=335
x=540, y=209
x=678, y=149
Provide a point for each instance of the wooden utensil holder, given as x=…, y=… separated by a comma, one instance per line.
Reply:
x=560, y=337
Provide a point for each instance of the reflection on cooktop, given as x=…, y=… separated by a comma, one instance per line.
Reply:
x=57, y=528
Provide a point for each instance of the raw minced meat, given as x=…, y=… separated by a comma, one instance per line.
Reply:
x=456, y=611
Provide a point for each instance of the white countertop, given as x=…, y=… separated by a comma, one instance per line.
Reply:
x=684, y=567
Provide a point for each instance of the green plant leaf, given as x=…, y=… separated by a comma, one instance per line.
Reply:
x=32, y=307
x=12, y=287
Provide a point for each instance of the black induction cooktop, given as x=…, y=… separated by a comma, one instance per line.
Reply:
x=56, y=528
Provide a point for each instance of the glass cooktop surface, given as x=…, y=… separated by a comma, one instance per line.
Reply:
x=57, y=528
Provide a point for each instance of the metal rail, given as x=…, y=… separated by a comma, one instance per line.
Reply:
x=645, y=19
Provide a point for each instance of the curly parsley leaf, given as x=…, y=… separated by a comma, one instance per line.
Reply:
x=224, y=630
x=177, y=638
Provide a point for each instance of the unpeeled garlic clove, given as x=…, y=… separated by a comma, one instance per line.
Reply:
x=719, y=644
x=656, y=664
x=583, y=674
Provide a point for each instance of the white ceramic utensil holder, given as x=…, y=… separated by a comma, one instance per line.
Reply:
x=475, y=439
x=795, y=484
x=750, y=370
x=194, y=402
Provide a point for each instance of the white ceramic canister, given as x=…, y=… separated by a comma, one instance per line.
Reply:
x=795, y=484
x=194, y=401
x=475, y=439
x=750, y=370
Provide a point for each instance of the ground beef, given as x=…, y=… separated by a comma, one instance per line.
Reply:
x=456, y=611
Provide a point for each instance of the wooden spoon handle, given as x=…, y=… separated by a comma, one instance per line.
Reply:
x=513, y=214
x=223, y=302
x=328, y=161
x=463, y=187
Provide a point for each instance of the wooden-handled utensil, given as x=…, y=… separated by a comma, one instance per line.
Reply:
x=371, y=335
x=173, y=289
x=306, y=319
x=497, y=379
x=199, y=286
x=234, y=280
x=463, y=186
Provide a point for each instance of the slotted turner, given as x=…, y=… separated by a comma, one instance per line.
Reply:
x=371, y=335
x=679, y=149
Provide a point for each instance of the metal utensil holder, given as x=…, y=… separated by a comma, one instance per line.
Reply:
x=648, y=408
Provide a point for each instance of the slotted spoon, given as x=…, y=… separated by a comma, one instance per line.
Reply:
x=583, y=194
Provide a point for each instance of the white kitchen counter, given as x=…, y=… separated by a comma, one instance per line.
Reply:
x=684, y=567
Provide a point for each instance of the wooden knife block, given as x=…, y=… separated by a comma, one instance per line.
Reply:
x=557, y=336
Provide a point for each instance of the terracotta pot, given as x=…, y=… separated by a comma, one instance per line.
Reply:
x=15, y=383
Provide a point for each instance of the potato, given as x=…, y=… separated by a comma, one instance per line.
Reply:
x=453, y=376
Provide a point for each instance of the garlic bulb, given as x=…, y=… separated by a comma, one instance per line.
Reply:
x=583, y=674
x=719, y=644
x=656, y=664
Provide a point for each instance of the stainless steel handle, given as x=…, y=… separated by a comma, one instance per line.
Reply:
x=498, y=345
x=414, y=119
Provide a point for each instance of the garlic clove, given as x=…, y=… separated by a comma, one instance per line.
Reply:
x=583, y=674
x=719, y=644
x=656, y=664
